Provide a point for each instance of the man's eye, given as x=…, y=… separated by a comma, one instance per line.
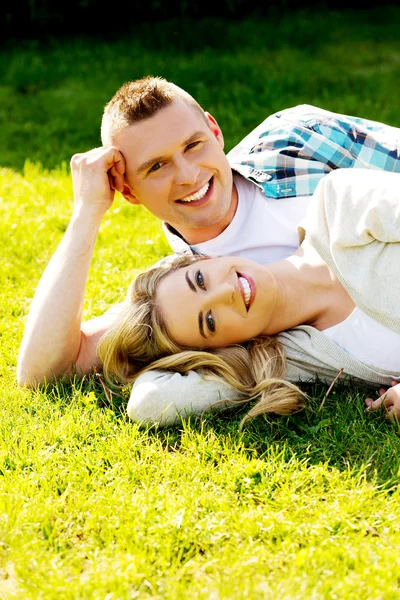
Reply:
x=210, y=321
x=155, y=167
x=200, y=280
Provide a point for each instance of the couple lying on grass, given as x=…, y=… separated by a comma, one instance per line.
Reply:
x=305, y=268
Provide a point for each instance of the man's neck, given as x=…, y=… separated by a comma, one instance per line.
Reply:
x=194, y=236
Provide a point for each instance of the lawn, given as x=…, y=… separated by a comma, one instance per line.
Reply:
x=91, y=505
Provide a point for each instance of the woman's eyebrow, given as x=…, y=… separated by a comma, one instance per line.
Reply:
x=193, y=287
x=201, y=329
x=190, y=282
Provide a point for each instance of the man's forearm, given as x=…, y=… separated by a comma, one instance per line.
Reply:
x=52, y=337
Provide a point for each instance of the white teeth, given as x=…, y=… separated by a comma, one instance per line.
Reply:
x=198, y=195
x=246, y=289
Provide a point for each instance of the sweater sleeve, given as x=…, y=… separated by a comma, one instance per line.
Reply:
x=165, y=397
x=354, y=224
x=354, y=207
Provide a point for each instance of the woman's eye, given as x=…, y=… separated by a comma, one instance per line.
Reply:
x=192, y=145
x=200, y=280
x=210, y=321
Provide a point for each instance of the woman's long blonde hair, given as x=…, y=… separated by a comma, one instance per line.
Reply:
x=139, y=342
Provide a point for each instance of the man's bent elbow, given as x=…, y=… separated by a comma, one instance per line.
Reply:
x=32, y=376
x=27, y=378
x=36, y=370
x=25, y=381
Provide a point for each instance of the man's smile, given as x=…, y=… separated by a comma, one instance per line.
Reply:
x=200, y=197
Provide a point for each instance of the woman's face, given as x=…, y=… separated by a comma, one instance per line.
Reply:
x=216, y=302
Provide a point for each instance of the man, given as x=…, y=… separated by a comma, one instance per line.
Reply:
x=160, y=149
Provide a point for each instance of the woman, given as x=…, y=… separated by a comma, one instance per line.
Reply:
x=333, y=304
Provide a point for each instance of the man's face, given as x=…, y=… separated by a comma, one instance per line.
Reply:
x=176, y=167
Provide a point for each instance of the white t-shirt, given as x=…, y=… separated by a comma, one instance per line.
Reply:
x=263, y=229
x=366, y=339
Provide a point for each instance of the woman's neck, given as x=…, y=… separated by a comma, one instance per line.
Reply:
x=307, y=293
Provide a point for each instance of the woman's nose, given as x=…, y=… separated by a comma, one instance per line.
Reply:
x=223, y=294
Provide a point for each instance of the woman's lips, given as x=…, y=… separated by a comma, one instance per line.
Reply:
x=252, y=285
x=252, y=289
x=202, y=200
x=241, y=290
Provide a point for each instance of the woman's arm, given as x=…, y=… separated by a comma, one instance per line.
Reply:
x=354, y=224
x=354, y=207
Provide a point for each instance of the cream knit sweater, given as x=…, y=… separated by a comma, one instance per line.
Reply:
x=353, y=223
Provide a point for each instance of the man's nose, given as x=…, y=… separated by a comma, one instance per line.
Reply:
x=186, y=173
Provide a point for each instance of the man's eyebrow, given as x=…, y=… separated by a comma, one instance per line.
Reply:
x=152, y=161
x=201, y=325
x=149, y=163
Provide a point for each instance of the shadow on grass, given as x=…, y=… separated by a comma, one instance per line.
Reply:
x=340, y=434
x=90, y=389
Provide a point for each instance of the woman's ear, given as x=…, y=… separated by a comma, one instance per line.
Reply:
x=129, y=195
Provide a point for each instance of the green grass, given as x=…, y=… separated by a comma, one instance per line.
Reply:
x=91, y=506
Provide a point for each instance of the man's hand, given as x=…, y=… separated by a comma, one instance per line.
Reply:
x=95, y=177
x=389, y=400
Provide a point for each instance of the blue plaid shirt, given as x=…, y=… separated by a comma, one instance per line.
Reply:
x=293, y=149
x=289, y=152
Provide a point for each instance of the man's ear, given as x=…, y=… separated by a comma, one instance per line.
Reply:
x=215, y=128
x=129, y=195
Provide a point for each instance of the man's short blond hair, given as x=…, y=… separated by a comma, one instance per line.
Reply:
x=139, y=100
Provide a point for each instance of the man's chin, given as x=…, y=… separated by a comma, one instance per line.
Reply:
x=203, y=228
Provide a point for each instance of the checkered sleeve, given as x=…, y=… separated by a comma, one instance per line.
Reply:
x=292, y=150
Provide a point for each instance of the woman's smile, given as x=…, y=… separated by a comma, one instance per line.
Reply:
x=247, y=289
